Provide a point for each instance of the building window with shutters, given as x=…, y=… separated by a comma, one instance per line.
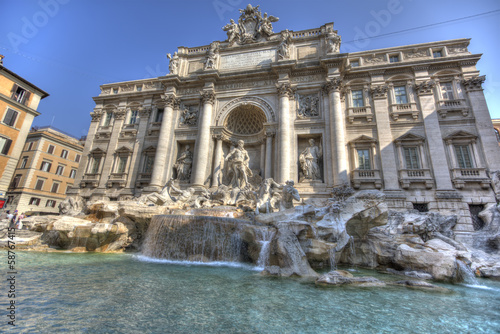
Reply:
x=55, y=187
x=133, y=117
x=400, y=95
x=64, y=154
x=77, y=158
x=5, y=145
x=364, y=159
x=462, y=153
x=10, y=117
x=20, y=94
x=60, y=170
x=72, y=174
x=51, y=148
x=34, y=201
x=411, y=157
x=24, y=162
x=45, y=166
x=39, y=184
x=50, y=203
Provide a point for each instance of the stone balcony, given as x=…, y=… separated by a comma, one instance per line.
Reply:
x=404, y=109
x=366, y=176
x=143, y=180
x=119, y=179
x=359, y=112
x=409, y=176
x=446, y=106
x=461, y=176
x=90, y=180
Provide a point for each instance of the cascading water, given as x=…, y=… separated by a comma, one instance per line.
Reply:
x=466, y=274
x=264, y=237
x=194, y=238
x=333, y=261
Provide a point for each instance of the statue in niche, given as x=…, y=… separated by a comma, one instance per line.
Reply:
x=237, y=161
x=212, y=57
x=232, y=30
x=333, y=41
x=266, y=27
x=183, y=165
x=268, y=198
x=189, y=116
x=289, y=194
x=308, y=106
x=174, y=63
x=284, y=47
x=309, y=161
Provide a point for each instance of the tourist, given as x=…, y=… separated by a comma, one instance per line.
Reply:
x=12, y=221
x=19, y=224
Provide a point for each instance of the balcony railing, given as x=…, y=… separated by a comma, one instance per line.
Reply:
x=461, y=176
x=400, y=109
x=446, y=106
x=370, y=176
x=409, y=176
x=359, y=112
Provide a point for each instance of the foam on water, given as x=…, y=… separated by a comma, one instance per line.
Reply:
x=186, y=263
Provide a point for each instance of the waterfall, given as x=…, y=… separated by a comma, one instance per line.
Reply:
x=466, y=274
x=194, y=238
x=333, y=261
x=264, y=237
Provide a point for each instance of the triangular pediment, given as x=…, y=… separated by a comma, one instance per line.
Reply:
x=363, y=139
x=461, y=134
x=124, y=149
x=97, y=150
x=150, y=148
x=410, y=137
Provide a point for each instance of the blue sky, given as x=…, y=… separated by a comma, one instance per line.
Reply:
x=71, y=47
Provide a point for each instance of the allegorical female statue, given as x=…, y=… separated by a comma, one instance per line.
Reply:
x=309, y=161
x=183, y=165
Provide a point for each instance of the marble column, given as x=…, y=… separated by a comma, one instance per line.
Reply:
x=337, y=132
x=135, y=162
x=162, y=149
x=285, y=92
x=269, y=156
x=384, y=132
x=438, y=162
x=202, y=145
x=217, y=161
x=484, y=126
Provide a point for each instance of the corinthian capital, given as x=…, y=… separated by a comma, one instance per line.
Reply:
x=334, y=85
x=208, y=96
x=285, y=89
x=170, y=100
x=473, y=84
x=425, y=88
x=379, y=92
x=96, y=116
x=120, y=113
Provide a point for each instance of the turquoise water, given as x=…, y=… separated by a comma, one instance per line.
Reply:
x=110, y=293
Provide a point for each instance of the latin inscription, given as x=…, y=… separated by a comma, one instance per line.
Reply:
x=249, y=59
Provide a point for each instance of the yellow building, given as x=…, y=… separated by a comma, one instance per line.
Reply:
x=19, y=101
x=46, y=168
x=496, y=126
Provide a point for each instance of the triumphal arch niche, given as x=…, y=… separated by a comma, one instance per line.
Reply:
x=262, y=102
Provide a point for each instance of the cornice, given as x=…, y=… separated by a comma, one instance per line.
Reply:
x=18, y=105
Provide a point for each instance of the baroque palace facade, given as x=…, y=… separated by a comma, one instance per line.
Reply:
x=411, y=121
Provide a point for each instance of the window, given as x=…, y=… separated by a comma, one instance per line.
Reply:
x=122, y=163
x=10, y=117
x=115, y=90
x=400, y=95
x=354, y=63
x=477, y=222
x=411, y=157
x=72, y=174
x=30, y=145
x=77, y=158
x=34, y=201
x=15, y=181
x=50, y=150
x=364, y=159
x=394, y=59
x=64, y=154
x=39, y=184
x=60, y=170
x=50, y=203
x=148, y=164
x=24, y=162
x=133, y=117
x=447, y=90
x=107, y=118
x=55, y=187
x=159, y=115
x=45, y=166
x=95, y=165
x=20, y=94
x=437, y=54
x=5, y=145
x=10, y=199
x=357, y=98
x=138, y=88
x=463, y=156
x=421, y=207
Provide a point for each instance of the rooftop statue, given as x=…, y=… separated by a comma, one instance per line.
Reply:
x=174, y=63
x=251, y=27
